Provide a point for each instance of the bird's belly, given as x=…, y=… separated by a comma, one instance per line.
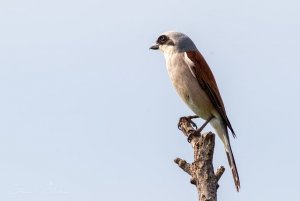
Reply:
x=190, y=91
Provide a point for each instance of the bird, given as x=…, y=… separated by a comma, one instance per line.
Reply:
x=195, y=84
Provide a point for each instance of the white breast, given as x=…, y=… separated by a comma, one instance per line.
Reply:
x=187, y=85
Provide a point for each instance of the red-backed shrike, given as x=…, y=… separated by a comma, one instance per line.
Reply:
x=196, y=85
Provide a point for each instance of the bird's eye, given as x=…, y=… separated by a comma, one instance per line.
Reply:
x=162, y=39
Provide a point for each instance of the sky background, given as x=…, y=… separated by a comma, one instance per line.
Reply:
x=88, y=113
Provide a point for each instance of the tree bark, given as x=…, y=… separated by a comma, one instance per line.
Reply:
x=201, y=170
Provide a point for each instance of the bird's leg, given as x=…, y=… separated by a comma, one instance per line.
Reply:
x=198, y=131
x=205, y=123
x=189, y=119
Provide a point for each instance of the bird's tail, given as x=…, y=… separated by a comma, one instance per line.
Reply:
x=223, y=134
x=232, y=165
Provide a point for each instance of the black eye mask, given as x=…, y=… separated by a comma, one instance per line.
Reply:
x=162, y=39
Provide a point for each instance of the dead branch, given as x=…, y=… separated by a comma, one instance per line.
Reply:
x=201, y=170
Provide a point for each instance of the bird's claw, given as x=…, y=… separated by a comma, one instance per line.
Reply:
x=188, y=119
x=191, y=135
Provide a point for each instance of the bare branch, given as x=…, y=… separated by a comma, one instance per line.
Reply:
x=183, y=165
x=201, y=170
x=220, y=172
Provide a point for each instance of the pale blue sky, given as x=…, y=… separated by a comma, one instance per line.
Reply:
x=88, y=112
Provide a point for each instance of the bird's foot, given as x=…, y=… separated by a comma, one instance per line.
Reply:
x=193, y=134
x=189, y=119
x=197, y=132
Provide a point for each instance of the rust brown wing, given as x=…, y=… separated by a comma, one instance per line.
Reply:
x=208, y=83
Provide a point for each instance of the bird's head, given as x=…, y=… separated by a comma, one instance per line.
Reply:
x=173, y=42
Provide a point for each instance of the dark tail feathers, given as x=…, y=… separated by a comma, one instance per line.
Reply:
x=232, y=165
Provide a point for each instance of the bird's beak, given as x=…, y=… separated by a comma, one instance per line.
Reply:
x=155, y=46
